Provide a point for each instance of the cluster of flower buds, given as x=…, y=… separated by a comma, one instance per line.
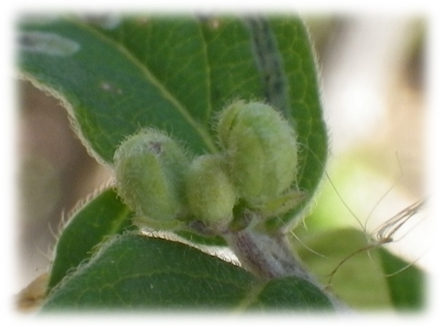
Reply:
x=257, y=165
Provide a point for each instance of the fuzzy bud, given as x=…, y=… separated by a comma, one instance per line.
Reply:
x=149, y=170
x=261, y=149
x=210, y=193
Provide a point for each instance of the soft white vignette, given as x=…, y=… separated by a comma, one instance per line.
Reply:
x=8, y=144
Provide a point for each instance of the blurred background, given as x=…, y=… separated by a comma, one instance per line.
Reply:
x=373, y=80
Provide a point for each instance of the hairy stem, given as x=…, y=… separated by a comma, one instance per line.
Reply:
x=266, y=256
x=270, y=257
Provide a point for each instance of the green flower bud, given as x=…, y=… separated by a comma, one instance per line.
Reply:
x=261, y=149
x=149, y=170
x=210, y=193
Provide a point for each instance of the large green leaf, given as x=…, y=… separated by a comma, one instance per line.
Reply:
x=204, y=62
x=132, y=271
x=111, y=94
x=175, y=74
x=102, y=216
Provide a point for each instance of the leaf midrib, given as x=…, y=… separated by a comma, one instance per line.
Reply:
x=152, y=79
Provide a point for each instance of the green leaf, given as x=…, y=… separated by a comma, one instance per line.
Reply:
x=173, y=51
x=288, y=292
x=134, y=272
x=215, y=63
x=406, y=282
x=303, y=106
x=102, y=216
x=175, y=74
x=109, y=92
x=117, y=85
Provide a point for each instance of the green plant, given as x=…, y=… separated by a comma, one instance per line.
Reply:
x=169, y=79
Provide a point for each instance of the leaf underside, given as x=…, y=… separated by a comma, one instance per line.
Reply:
x=132, y=272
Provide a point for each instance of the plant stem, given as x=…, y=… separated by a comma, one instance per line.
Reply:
x=270, y=257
